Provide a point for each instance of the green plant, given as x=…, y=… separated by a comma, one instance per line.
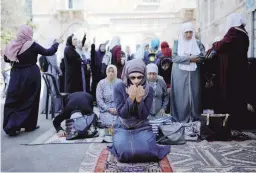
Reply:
x=6, y=36
x=31, y=24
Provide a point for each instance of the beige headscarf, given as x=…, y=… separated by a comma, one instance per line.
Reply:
x=114, y=68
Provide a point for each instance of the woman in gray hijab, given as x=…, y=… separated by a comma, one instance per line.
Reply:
x=133, y=139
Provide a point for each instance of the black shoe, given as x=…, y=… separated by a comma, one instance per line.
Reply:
x=239, y=136
x=12, y=133
x=30, y=130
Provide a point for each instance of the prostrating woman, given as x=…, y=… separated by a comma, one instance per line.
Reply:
x=77, y=101
x=23, y=94
x=133, y=139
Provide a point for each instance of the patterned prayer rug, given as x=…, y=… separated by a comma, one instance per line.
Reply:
x=99, y=159
x=191, y=157
x=206, y=156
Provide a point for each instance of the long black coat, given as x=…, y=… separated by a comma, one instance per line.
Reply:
x=23, y=94
x=73, y=74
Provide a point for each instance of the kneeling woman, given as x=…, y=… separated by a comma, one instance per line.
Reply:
x=105, y=98
x=133, y=139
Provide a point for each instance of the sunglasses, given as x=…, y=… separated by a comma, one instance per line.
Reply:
x=136, y=77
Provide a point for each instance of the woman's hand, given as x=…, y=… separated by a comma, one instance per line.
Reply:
x=61, y=133
x=162, y=112
x=140, y=93
x=195, y=59
x=132, y=91
x=250, y=108
x=112, y=111
x=59, y=40
x=122, y=61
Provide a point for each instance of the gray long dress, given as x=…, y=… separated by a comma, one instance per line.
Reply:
x=185, y=88
x=55, y=71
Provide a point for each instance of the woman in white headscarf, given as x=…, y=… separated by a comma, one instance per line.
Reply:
x=114, y=42
x=233, y=65
x=140, y=52
x=185, y=80
x=160, y=96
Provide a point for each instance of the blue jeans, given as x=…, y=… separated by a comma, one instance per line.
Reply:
x=137, y=145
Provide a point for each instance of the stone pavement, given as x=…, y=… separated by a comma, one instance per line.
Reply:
x=198, y=157
x=40, y=158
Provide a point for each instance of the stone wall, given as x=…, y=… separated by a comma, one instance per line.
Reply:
x=212, y=15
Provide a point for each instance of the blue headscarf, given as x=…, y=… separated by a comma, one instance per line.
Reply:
x=155, y=43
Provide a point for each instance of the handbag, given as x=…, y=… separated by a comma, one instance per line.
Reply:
x=82, y=127
x=171, y=134
x=176, y=133
x=215, y=127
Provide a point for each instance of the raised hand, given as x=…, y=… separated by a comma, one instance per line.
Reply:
x=59, y=40
x=250, y=108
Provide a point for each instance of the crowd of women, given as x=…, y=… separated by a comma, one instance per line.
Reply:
x=135, y=88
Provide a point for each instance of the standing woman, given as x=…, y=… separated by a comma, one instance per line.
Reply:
x=72, y=59
x=96, y=65
x=233, y=68
x=185, y=79
x=22, y=101
x=116, y=59
x=56, y=72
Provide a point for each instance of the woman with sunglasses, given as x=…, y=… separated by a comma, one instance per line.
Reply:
x=133, y=139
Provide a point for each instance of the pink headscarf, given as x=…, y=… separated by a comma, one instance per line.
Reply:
x=19, y=45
